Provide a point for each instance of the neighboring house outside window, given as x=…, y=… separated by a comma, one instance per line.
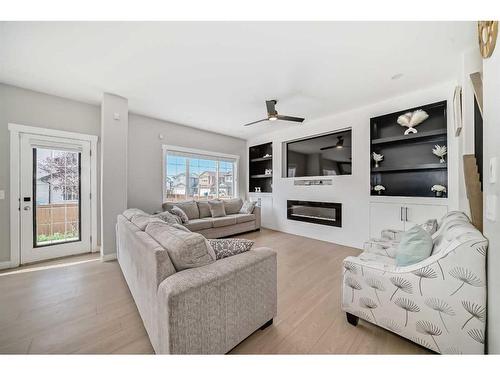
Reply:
x=198, y=175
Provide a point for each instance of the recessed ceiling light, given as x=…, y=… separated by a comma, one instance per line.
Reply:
x=272, y=118
x=397, y=76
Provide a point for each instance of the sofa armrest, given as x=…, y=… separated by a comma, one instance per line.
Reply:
x=211, y=309
x=257, y=212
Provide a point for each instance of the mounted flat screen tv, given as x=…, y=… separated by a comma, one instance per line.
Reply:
x=324, y=155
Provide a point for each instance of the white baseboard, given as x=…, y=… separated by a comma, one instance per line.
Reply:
x=5, y=265
x=108, y=257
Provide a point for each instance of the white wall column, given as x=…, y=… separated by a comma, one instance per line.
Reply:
x=114, y=134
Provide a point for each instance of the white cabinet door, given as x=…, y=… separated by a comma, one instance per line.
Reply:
x=266, y=209
x=419, y=213
x=385, y=216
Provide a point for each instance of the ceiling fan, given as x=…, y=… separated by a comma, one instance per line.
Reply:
x=272, y=114
x=339, y=144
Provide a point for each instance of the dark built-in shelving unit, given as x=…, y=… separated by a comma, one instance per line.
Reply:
x=409, y=167
x=257, y=164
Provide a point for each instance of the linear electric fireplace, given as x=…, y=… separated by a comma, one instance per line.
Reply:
x=325, y=213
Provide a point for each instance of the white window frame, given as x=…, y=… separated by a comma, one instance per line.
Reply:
x=197, y=152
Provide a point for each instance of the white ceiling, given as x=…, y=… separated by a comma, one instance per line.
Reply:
x=217, y=75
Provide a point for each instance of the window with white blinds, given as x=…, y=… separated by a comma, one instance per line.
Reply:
x=195, y=174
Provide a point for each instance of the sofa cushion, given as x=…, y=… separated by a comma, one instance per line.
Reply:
x=142, y=220
x=227, y=247
x=217, y=208
x=223, y=221
x=198, y=224
x=130, y=212
x=180, y=213
x=169, y=218
x=204, y=209
x=233, y=205
x=243, y=218
x=415, y=246
x=189, y=207
x=247, y=207
x=430, y=226
x=185, y=249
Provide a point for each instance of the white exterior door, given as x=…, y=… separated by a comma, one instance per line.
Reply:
x=54, y=200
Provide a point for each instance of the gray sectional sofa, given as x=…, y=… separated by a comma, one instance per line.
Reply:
x=203, y=310
x=201, y=220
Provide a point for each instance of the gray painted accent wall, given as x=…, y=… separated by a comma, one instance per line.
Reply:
x=27, y=107
x=114, y=135
x=145, y=156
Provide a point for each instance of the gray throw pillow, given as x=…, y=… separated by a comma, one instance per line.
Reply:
x=185, y=249
x=224, y=248
x=232, y=205
x=181, y=214
x=130, y=212
x=169, y=218
x=415, y=246
x=190, y=208
x=217, y=208
x=142, y=220
x=247, y=207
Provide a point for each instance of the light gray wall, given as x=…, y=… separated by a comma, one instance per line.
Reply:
x=145, y=156
x=32, y=108
x=491, y=138
x=114, y=144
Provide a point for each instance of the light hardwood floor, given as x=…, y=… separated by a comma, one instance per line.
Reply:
x=83, y=305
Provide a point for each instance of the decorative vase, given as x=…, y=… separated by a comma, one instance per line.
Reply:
x=376, y=164
x=439, y=194
x=442, y=160
x=379, y=192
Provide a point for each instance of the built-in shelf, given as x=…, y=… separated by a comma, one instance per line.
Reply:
x=261, y=159
x=409, y=168
x=261, y=176
x=258, y=163
x=409, y=137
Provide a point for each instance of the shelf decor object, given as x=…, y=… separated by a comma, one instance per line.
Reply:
x=439, y=190
x=440, y=152
x=412, y=119
x=377, y=158
x=379, y=189
x=260, y=168
x=487, y=36
x=409, y=168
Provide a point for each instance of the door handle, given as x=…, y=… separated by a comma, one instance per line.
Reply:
x=401, y=214
x=27, y=208
x=406, y=213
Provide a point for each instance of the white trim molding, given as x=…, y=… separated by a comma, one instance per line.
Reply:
x=108, y=257
x=15, y=132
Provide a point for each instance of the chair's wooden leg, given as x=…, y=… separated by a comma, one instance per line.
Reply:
x=352, y=319
x=267, y=324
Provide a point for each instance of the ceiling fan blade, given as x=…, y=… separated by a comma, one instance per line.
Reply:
x=255, y=122
x=271, y=107
x=290, y=118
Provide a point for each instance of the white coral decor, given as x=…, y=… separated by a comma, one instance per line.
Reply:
x=440, y=152
x=412, y=119
x=377, y=158
x=379, y=188
x=440, y=188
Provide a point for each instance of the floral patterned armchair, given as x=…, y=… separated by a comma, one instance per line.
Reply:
x=439, y=303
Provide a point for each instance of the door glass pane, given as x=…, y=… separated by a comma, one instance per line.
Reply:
x=56, y=196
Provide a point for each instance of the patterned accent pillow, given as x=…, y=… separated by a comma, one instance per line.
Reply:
x=181, y=214
x=217, y=208
x=247, y=207
x=169, y=218
x=227, y=247
x=430, y=226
